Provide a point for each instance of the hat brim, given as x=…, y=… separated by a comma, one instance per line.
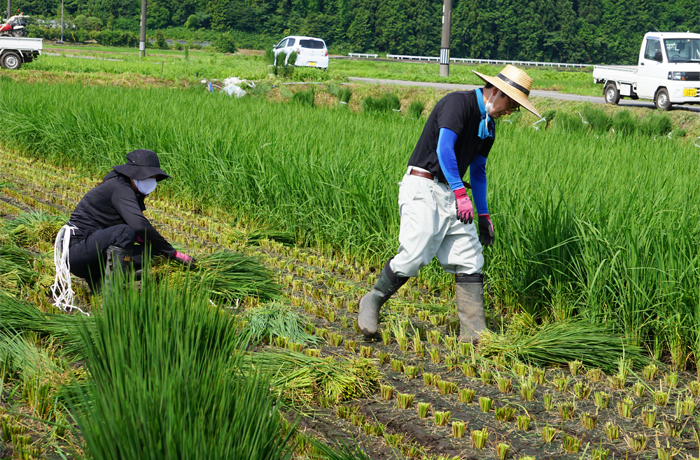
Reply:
x=141, y=172
x=513, y=93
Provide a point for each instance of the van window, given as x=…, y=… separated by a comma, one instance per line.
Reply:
x=312, y=44
x=281, y=44
x=653, y=50
x=290, y=42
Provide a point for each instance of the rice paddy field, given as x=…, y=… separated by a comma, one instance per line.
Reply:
x=291, y=210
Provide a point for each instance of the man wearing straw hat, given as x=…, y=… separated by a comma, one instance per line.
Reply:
x=437, y=216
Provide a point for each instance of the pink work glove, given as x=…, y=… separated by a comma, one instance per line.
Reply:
x=486, y=234
x=465, y=212
x=183, y=258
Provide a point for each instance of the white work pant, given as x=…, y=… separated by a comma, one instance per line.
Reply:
x=429, y=228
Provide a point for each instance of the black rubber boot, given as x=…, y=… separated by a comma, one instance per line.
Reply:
x=117, y=257
x=469, y=295
x=387, y=284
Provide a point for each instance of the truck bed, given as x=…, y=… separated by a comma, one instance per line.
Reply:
x=602, y=73
x=21, y=44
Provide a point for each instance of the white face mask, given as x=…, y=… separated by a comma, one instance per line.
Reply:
x=146, y=186
x=489, y=104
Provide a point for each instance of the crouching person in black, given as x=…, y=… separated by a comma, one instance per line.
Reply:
x=109, y=220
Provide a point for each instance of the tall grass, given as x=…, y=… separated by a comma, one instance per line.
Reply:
x=600, y=225
x=163, y=383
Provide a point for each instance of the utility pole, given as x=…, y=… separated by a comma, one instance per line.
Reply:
x=142, y=40
x=445, y=41
x=61, y=21
x=9, y=9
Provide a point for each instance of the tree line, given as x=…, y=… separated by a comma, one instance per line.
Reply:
x=577, y=31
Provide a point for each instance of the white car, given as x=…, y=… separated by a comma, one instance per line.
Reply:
x=311, y=52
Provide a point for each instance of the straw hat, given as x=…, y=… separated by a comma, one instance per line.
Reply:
x=515, y=83
x=141, y=164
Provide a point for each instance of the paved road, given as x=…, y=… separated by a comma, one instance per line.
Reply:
x=538, y=93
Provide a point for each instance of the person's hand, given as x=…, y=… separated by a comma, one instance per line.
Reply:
x=465, y=211
x=486, y=234
x=183, y=258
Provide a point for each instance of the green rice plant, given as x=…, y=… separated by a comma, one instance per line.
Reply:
x=505, y=385
x=581, y=390
x=600, y=454
x=671, y=379
x=435, y=357
x=386, y=337
x=570, y=444
x=404, y=401
x=561, y=383
x=466, y=349
x=351, y=346
x=468, y=370
x=344, y=95
x=694, y=387
x=446, y=387
x=466, y=395
x=588, y=421
x=594, y=375
x=450, y=342
x=668, y=452
x=357, y=419
x=479, y=438
x=523, y=422
x=505, y=413
x=403, y=343
x=430, y=379
x=636, y=443
x=624, y=407
x=548, y=400
x=616, y=382
x=566, y=410
x=434, y=337
x=393, y=440
x=373, y=429
x=575, y=367
x=387, y=103
x=548, y=433
x=485, y=403
x=134, y=358
x=672, y=428
x=638, y=388
x=624, y=123
x=423, y=409
x=502, y=450
x=441, y=418
x=650, y=371
x=538, y=375
x=366, y=352
x=397, y=365
x=598, y=120
x=612, y=431
x=685, y=407
x=486, y=377
x=387, y=391
x=649, y=417
x=569, y=123
x=411, y=372
x=458, y=429
x=520, y=369
x=418, y=346
x=415, y=110
x=278, y=320
x=335, y=339
x=661, y=397
x=383, y=358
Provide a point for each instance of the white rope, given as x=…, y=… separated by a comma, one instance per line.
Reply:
x=61, y=288
x=583, y=119
x=534, y=125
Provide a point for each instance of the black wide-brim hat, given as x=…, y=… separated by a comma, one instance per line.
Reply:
x=141, y=164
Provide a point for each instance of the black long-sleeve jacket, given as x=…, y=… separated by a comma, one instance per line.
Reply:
x=115, y=202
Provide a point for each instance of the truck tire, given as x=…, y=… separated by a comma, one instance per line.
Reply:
x=662, y=101
x=11, y=60
x=611, y=93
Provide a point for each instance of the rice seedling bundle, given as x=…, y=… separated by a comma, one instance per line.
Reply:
x=278, y=320
x=610, y=253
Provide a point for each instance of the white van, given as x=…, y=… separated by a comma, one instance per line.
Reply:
x=311, y=52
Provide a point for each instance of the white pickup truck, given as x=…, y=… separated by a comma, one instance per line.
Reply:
x=668, y=72
x=15, y=50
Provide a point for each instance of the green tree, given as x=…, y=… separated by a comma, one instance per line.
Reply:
x=359, y=33
x=225, y=43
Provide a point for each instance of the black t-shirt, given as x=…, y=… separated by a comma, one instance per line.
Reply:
x=459, y=112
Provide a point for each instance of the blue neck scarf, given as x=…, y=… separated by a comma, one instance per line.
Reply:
x=487, y=128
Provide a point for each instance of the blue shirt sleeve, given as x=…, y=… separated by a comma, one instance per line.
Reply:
x=448, y=160
x=477, y=175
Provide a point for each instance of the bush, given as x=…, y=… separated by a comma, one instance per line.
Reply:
x=656, y=124
x=305, y=97
x=225, y=43
x=624, y=123
x=160, y=40
x=192, y=22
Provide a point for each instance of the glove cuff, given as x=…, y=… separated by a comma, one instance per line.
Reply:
x=460, y=192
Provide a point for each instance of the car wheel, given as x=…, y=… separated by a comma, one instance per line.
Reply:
x=612, y=95
x=662, y=101
x=11, y=60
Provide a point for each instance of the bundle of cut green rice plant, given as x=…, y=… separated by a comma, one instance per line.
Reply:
x=16, y=269
x=278, y=320
x=34, y=229
x=229, y=277
x=301, y=378
x=558, y=343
